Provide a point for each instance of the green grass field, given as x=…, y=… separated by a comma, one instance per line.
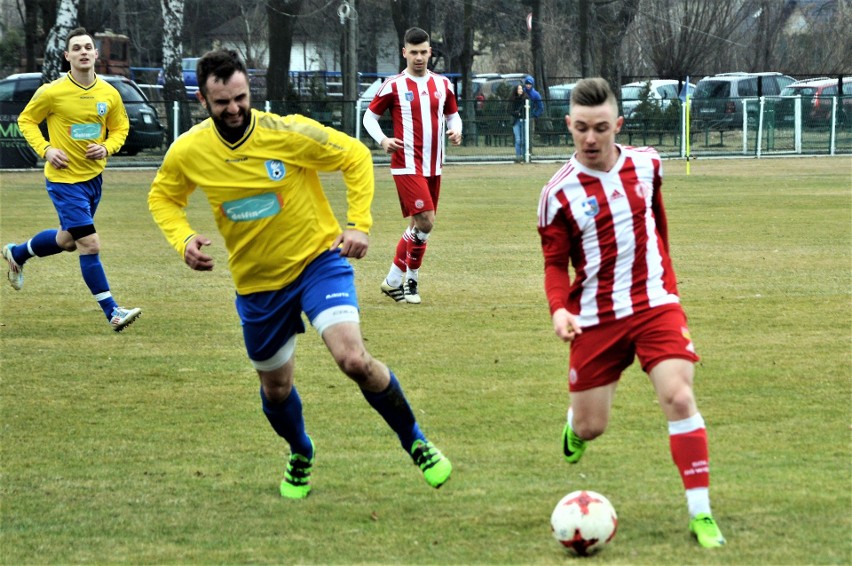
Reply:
x=149, y=447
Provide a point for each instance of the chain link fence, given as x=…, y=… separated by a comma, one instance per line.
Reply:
x=765, y=126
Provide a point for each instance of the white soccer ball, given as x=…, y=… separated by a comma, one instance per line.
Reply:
x=584, y=522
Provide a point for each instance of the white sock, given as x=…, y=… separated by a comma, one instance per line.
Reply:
x=412, y=274
x=698, y=501
x=394, y=278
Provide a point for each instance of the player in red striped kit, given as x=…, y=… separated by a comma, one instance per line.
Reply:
x=603, y=213
x=420, y=102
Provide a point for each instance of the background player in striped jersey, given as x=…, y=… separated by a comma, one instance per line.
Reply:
x=603, y=213
x=419, y=102
x=80, y=110
x=286, y=251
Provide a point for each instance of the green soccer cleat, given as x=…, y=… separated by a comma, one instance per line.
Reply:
x=572, y=445
x=435, y=466
x=706, y=531
x=297, y=478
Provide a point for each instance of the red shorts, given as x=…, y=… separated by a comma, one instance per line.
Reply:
x=602, y=352
x=417, y=193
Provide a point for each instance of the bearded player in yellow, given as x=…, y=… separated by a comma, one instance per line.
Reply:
x=86, y=122
x=286, y=251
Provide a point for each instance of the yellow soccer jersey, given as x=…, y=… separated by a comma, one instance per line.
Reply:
x=76, y=116
x=265, y=194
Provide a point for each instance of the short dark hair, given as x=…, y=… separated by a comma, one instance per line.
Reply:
x=221, y=63
x=76, y=32
x=592, y=92
x=415, y=36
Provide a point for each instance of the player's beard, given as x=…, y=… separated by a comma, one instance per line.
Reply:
x=231, y=133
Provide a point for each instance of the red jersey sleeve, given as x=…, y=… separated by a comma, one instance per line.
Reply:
x=555, y=245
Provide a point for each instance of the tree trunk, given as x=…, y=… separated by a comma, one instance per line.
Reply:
x=611, y=20
x=537, y=46
x=350, y=74
x=66, y=20
x=468, y=110
x=30, y=34
x=282, y=20
x=174, y=89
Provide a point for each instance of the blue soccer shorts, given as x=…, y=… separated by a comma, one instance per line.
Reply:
x=76, y=203
x=325, y=292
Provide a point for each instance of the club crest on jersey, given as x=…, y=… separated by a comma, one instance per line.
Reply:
x=409, y=96
x=275, y=169
x=590, y=206
x=643, y=190
x=102, y=108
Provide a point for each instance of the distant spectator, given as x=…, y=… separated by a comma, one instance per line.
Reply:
x=536, y=104
x=517, y=103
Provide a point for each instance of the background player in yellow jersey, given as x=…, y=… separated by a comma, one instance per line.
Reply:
x=80, y=110
x=286, y=251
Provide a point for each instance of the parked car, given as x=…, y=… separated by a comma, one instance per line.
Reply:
x=146, y=132
x=190, y=78
x=718, y=99
x=493, y=86
x=817, y=100
x=368, y=95
x=661, y=93
x=559, y=100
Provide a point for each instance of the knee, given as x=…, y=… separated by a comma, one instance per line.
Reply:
x=679, y=402
x=356, y=365
x=588, y=429
x=276, y=393
x=88, y=245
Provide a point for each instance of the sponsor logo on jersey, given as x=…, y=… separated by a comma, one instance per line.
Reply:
x=252, y=208
x=84, y=131
x=102, y=108
x=275, y=169
x=590, y=206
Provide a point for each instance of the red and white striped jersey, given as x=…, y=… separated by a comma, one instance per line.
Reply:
x=611, y=227
x=418, y=106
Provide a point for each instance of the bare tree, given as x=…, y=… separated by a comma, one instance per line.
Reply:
x=66, y=20
x=610, y=20
x=537, y=46
x=680, y=37
x=174, y=89
x=821, y=42
x=281, y=16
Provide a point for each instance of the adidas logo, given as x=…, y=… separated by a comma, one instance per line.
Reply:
x=617, y=194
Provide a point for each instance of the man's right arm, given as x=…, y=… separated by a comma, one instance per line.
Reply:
x=167, y=202
x=371, y=124
x=29, y=119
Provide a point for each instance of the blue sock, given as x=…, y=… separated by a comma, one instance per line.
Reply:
x=43, y=244
x=95, y=278
x=392, y=405
x=286, y=419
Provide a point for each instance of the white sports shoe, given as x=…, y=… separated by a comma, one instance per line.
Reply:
x=395, y=293
x=410, y=292
x=122, y=318
x=16, y=272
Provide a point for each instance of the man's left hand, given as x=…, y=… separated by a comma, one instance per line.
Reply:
x=352, y=243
